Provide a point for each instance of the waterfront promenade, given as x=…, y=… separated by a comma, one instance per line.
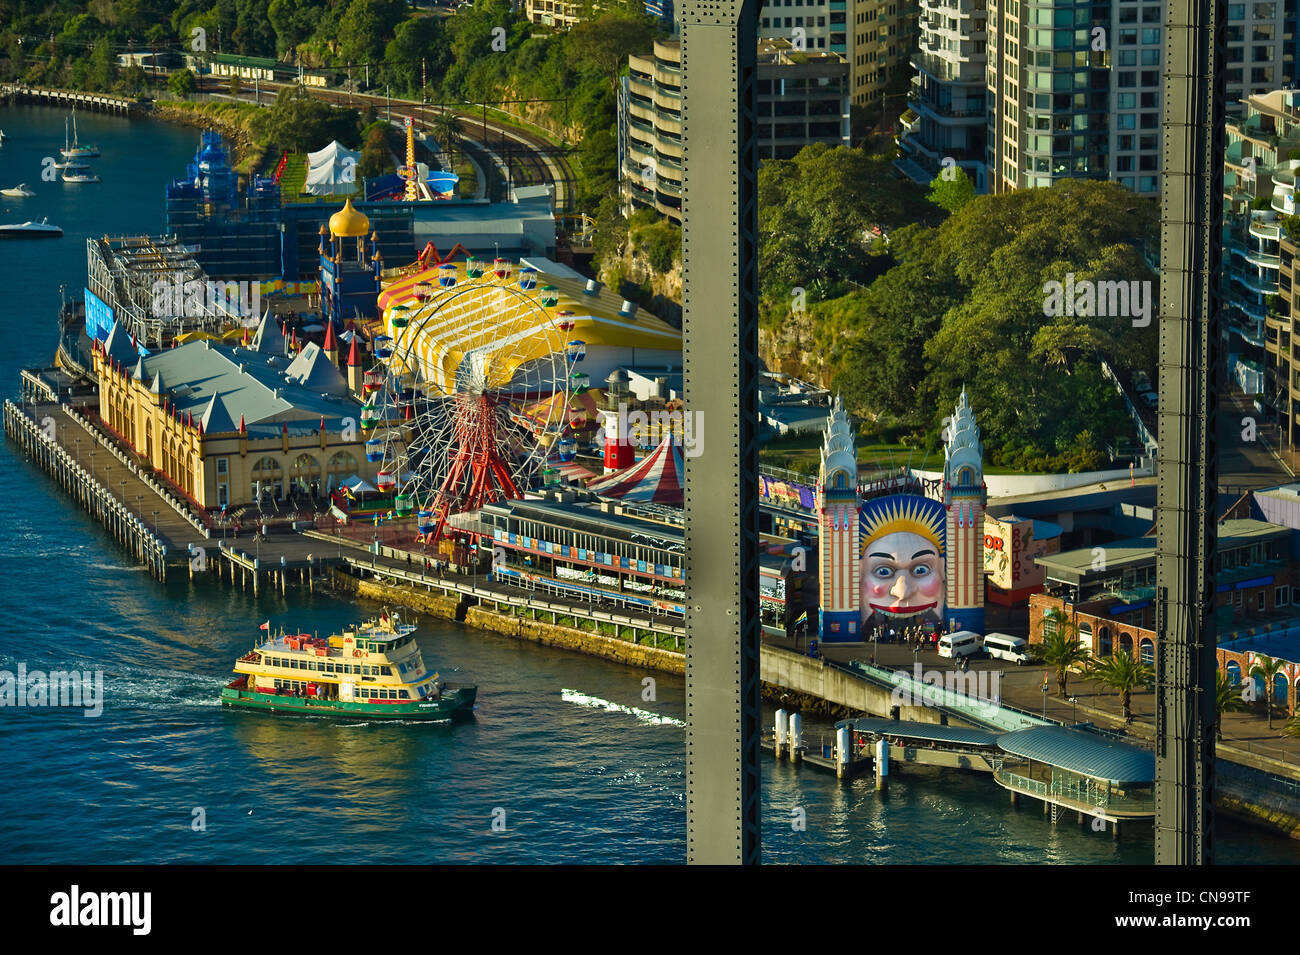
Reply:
x=1246, y=738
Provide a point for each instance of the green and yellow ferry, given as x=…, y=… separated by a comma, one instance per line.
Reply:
x=370, y=671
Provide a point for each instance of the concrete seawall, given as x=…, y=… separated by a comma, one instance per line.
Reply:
x=518, y=627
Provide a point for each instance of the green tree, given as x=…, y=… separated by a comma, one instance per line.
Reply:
x=183, y=83
x=1227, y=699
x=1060, y=647
x=951, y=193
x=293, y=22
x=1267, y=668
x=1123, y=674
x=446, y=130
x=376, y=156
x=299, y=122
x=102, y=73
x=605, y=42
x=235, y=85
x=366, y=29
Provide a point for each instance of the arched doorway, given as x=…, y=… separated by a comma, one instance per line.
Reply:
x=1126, y=644
x=1281, y=690
x=306, y=475
x=1103, y=642
x=1234, y=673
x=265, y=479
x=1148, y=650
x=1085, y=636
x=340, y=467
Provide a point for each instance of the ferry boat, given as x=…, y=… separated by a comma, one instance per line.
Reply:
x=373, y=670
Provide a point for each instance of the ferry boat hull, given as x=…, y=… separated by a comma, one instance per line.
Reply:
x=455, y=702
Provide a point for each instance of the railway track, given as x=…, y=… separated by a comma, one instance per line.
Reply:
x=525, y=158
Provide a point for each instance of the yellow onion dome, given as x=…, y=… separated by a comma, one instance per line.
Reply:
x=349, y=222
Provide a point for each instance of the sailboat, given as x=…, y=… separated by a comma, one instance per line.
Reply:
x=76, y=150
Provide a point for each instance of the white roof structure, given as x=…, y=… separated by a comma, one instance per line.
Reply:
x=332, y=171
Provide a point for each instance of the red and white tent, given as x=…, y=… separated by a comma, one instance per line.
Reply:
x=655, y=478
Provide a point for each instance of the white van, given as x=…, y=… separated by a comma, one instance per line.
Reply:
x=963, y=643
x=1003, y=646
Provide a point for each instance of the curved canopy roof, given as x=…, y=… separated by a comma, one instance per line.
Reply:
x=907, y=729
x=1082, y=752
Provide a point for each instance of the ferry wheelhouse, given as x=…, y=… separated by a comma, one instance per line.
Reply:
x=373, y=670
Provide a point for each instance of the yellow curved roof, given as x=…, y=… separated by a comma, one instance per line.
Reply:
x=491, y=327
x=349, y=222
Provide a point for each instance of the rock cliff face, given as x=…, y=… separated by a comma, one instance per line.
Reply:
x=788, y=344
x=632, y=273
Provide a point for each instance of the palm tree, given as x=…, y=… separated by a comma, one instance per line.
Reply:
x=446, y=129
x=1227, y=699
x=1123, y=673
x=1060, y=648
x=1268, y=668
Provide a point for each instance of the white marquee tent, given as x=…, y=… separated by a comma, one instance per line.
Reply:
x=332, y=171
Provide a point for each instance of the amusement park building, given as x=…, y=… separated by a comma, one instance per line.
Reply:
x=1109, y=591
x=802, y=98
x=261, y=234
x=225, y=424
x=613, y=331
x=606, y=550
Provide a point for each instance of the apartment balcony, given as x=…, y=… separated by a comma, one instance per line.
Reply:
x=947, y=116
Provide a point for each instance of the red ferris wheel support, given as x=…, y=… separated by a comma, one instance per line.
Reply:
x=477, y=475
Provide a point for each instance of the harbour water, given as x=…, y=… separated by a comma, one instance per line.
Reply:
x=564, y=753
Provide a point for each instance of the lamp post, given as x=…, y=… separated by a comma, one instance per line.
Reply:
x=155, y=523
x=1044, y=689
x=1074, y=700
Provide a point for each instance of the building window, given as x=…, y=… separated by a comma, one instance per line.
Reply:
x=1282, y=596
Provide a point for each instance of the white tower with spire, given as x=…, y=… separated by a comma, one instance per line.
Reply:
x=964, y=497
x=838, y=531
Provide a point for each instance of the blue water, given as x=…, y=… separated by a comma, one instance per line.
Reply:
x=573, y=779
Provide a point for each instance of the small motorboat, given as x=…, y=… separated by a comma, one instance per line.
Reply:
x=19, y=191
x=30, y=230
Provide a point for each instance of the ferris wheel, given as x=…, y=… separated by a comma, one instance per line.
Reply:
x=473, y=395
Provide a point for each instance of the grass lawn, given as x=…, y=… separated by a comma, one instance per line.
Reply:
x=802, y=452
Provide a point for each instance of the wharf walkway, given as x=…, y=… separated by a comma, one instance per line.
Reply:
x=112, y=490
x=393, y=564
x=100, y=102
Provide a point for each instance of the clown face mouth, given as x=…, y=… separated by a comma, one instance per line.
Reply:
x=902, y=611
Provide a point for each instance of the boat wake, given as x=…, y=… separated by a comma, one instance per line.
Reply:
x=596, y=703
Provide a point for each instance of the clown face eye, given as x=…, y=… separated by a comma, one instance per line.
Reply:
x=920, y=570
x=883, y=573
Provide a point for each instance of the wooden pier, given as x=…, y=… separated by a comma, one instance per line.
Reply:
x=158, y=544
x=99, y=102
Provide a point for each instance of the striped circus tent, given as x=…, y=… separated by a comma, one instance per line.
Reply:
x=656, y=478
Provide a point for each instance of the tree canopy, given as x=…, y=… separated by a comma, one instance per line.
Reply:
x=964, y=307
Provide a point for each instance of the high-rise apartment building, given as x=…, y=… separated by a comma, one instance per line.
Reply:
x=803, y=97
x=1072, y=89
x=947, y=113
